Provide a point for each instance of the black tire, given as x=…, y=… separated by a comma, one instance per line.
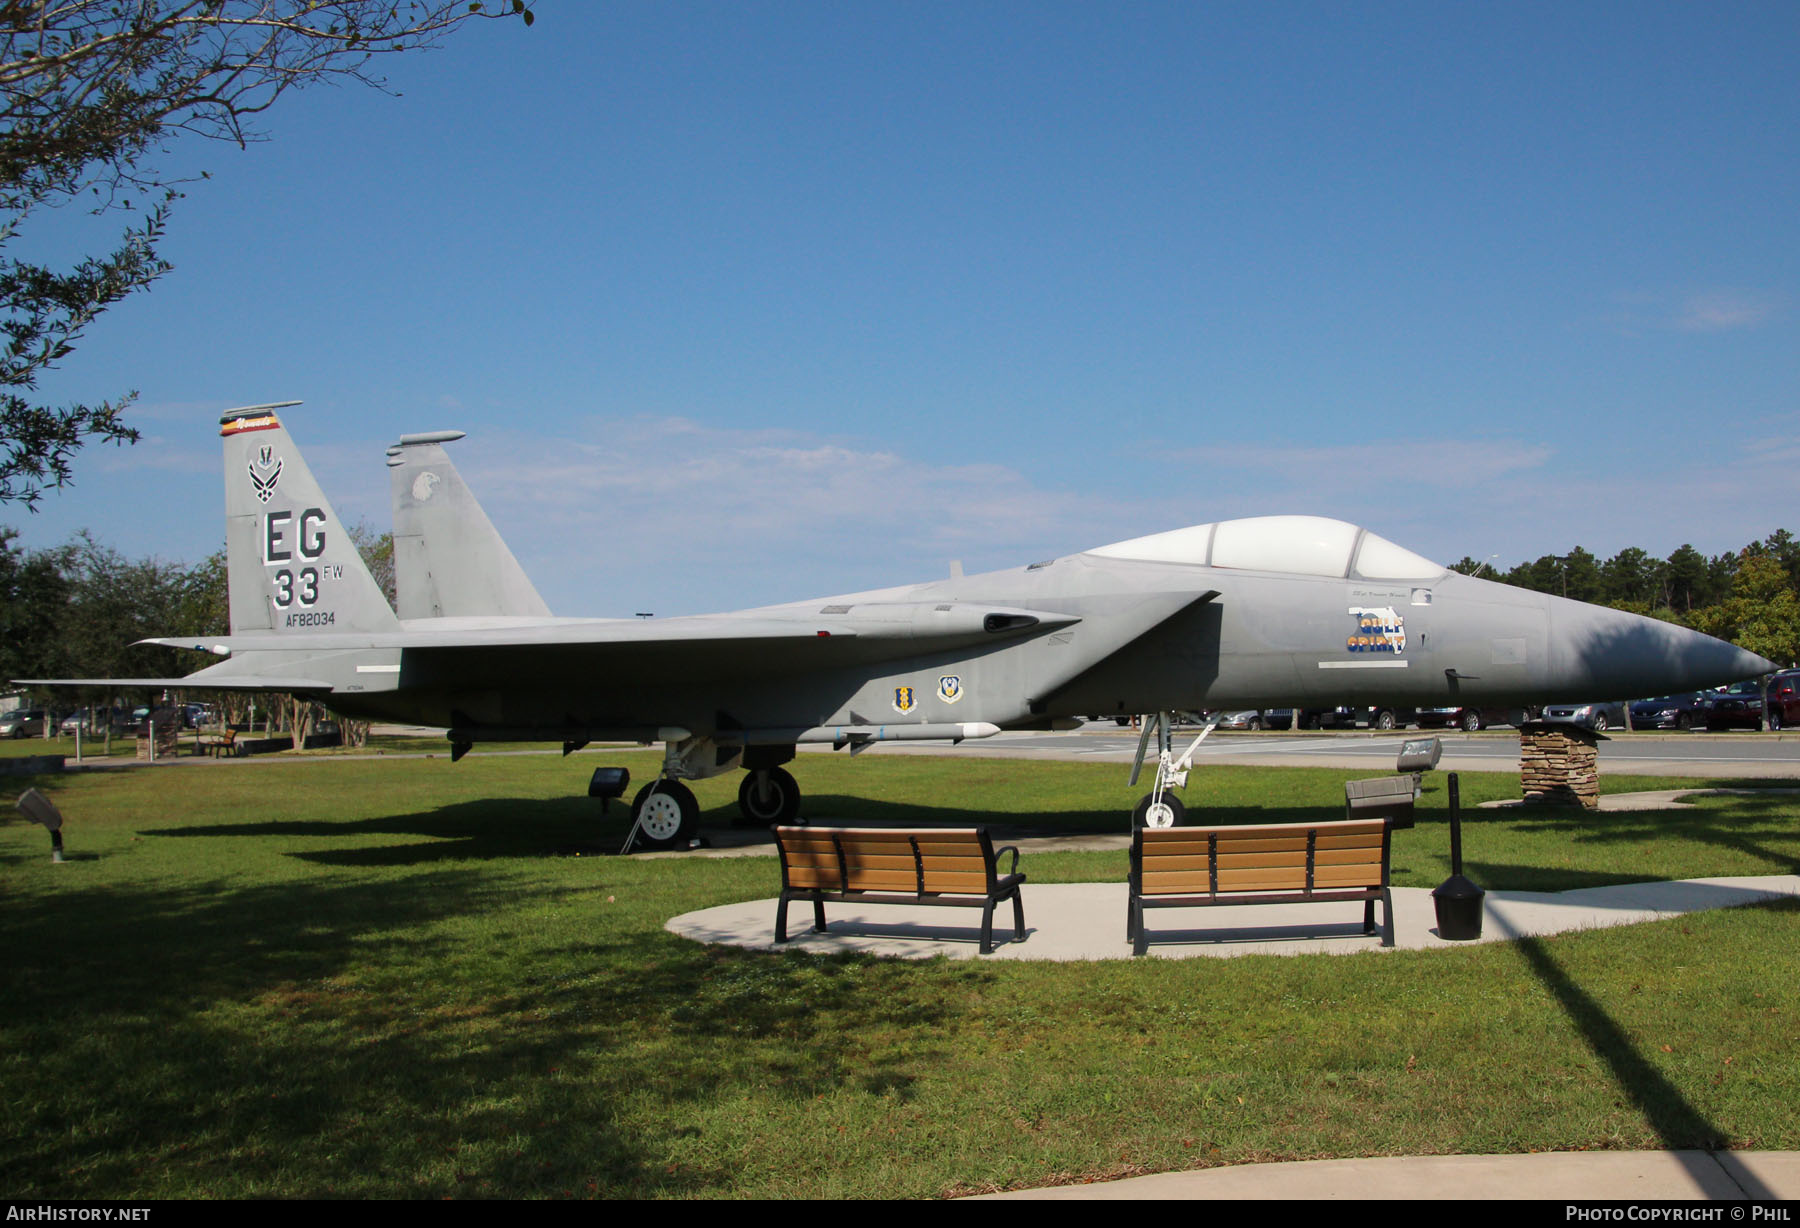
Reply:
x=1683, y=722
x=768, y=797
x=1176, y=813
x=1470, y=720
x=1256, y=724
x=672, y=817
x=1775, y=722
x=1384, y=719
x=1601, y=724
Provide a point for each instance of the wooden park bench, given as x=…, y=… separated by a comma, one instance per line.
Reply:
x=940, y=867
x=1264, y=863
x=221, y=745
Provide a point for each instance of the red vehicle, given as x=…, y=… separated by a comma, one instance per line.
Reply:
x=1782, y=711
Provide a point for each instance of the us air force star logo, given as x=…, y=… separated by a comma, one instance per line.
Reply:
x=265, y=471
x=903, y=699
x=950, y=688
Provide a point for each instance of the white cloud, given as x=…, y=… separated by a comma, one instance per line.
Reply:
x=729, y=517
x=1720, y=311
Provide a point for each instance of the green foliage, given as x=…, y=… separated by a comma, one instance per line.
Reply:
x=1755, y=611
x=33, y=594
x=1762, y=613
x=77, y=610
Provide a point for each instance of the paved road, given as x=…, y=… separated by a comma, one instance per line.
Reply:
x=1713, y=755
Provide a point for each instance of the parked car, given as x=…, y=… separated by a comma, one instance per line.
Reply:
x=1738, y=706
x=1341, y=717
x=1782, y=707
x=23, y=723
x=1470, y=719
x=1240, y=720
x=1596, y=716
x=1682, y=711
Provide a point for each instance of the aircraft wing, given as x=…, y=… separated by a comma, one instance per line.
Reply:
x=741, y=645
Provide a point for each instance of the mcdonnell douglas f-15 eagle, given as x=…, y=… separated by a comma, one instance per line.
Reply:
x=1238, y=614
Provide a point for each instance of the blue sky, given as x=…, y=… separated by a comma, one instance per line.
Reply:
x=746, y=302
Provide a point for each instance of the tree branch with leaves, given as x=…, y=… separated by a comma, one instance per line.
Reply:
x=90, y=92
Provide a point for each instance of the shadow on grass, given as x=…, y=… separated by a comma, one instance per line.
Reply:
x=1676, y=1121
x=1761, y=831
x=487, y=829
x=506, y=828
x=364, y=1038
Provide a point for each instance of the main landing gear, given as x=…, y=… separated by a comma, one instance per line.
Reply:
x=665, y=814
x=768, y=796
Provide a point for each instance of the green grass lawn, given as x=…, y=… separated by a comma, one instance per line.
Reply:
x=416, y=979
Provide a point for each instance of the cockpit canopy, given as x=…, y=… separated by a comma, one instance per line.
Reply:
x=1295, y=545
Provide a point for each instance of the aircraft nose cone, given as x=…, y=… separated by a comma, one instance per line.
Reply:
x=1602, y=653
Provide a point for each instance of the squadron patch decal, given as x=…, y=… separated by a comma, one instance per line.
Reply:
x=265, y=471
x=950, y=688
x=904, y=700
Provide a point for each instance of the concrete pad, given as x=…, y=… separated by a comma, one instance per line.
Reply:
x=1078, y=921
x=1576, y=1176
x=1660, y=799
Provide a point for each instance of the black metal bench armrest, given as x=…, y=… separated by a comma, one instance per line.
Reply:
x=1014, y=850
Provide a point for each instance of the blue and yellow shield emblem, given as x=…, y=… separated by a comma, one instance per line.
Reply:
x=950, y=688
x=903, y=699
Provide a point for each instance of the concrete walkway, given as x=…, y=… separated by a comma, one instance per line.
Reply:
x=1563, y=1176
x=1077, y=921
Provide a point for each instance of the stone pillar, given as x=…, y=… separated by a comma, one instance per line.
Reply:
x=1559, y=764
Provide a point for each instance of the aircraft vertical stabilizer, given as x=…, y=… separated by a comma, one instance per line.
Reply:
x=449, y=560
x=291, y=566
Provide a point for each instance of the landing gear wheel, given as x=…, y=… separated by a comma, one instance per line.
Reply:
x=668, y=817
x=767, y=797
x=1169, y=812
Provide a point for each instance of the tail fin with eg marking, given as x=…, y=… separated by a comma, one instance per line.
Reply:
x=291, y=567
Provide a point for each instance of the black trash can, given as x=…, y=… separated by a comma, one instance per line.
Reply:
x=1458, y=904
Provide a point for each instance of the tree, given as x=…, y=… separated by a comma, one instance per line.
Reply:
x=33, y=594
x=1689, y=581
x=1762, y=613
x=1632, y=577
x=90, y=92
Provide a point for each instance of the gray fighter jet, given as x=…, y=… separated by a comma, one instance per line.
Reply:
x=1260, y=612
